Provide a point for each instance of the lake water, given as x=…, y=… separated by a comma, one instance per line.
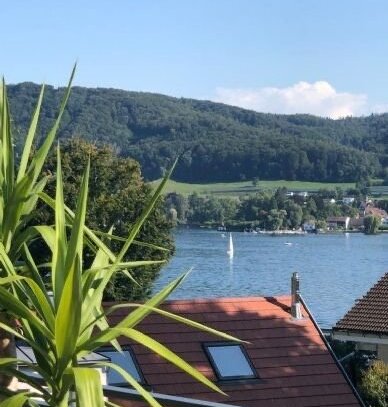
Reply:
x=334, y=270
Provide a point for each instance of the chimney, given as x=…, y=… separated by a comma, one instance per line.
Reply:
x=296, y=311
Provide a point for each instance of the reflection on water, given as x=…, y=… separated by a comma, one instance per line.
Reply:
x=334, y=269
x=231, y=265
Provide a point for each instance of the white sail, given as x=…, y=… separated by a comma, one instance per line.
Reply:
x=231, y=249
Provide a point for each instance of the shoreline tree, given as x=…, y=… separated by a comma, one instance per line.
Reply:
x=371, y=224
x=117, y=195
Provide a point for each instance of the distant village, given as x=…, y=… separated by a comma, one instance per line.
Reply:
x=357, y=222
x=281, y=211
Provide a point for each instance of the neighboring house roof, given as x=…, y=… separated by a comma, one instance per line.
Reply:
x=370, y=313
x=293, y=363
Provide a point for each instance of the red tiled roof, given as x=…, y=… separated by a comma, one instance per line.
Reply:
x=294, y=365
x=371, y=210
x=370, y=313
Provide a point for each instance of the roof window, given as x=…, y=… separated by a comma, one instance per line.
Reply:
x=127, y=361
x=230, y=361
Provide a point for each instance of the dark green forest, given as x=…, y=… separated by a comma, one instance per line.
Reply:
x=217, y=142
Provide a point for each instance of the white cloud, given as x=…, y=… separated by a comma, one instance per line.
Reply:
x=318, y=98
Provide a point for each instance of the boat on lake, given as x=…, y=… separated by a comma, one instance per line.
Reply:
x=231, y=248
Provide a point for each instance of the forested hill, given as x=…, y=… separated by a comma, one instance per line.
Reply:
x=217, y=142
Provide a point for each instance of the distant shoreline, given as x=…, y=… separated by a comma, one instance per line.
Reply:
x=274, y=232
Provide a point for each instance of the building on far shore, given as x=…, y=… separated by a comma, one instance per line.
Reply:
x=338, y=222
x=356, y=223
x=373, y=211
x=309, y=226
x=348, y=200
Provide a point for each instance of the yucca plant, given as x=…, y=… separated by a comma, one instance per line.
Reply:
x=64, y=320
x=70, y=324
x=20, y=184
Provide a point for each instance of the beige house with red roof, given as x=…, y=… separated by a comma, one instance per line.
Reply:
x=366, y=323
x=371, y=210
x=286, y=361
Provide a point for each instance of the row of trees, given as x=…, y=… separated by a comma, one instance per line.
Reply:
x=267, y=209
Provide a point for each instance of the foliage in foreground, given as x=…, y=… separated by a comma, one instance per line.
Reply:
x=374, y=385
x=64, y=321
x=72, y=323
x=117, y=195
x=20, y=184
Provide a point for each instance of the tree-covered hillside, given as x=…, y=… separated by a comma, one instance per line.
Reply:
x=217, y=142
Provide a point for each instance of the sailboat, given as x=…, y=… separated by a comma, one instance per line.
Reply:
x=231, y=249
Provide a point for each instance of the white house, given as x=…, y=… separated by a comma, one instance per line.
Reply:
x=348, y=200
x=309, y=226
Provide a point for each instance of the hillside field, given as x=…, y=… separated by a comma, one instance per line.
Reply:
x=247, y=187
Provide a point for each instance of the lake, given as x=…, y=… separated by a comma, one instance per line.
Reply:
x=334, y=269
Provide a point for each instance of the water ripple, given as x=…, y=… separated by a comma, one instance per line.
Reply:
x=335, y=270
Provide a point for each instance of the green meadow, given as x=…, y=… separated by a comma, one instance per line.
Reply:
x=247, y=187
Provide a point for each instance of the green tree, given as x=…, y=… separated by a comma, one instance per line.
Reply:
x=339, y=193
x=321, y=224
x=371, y=224
x=179, y=203
x=310, y=209
x=275, y=219
x=374, y=385
x=228, y=209
x=294, y=214
x=363, y=184
x=116, y=198
x=385, y=176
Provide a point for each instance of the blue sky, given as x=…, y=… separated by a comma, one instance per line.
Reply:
x=323, y=57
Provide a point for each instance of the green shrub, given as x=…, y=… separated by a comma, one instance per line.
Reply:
x=374, y=385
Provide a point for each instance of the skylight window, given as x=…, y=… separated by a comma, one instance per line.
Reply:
x=127, y=361
x=230, y=361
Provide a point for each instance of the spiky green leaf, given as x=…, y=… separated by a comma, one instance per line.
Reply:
x=88, y=386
